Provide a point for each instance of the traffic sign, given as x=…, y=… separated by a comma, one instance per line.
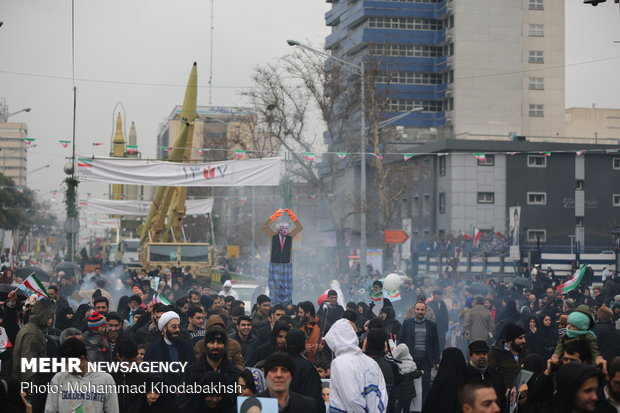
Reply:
x=395, y=236
x=72, y=225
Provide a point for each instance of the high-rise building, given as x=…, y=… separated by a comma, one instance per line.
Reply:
x=479, y=68
x=13, y=147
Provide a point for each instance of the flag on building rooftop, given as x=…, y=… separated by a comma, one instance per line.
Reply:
x=408, y=156
x=341, y=155
x=581, y=152
x=480, y=156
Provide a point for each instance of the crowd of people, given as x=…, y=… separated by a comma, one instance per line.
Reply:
x=447, y=345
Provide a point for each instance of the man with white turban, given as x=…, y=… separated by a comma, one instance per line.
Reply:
x=170, y=346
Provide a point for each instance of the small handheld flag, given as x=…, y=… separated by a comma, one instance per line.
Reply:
x=160, y=299
x=33, y=284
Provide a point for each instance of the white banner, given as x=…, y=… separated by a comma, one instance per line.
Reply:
x=140, y=208
x=104, y=223
x=251, y=172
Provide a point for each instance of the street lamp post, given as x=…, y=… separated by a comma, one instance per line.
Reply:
x=6, y=116
x=358, y=70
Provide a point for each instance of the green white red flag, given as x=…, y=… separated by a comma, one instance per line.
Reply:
x=477, y=236
x=160, y=299
x=33, y=284
x=574, y=281
x=480, y=156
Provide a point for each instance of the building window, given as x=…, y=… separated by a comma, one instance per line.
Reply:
x=410, y=78
x=442, y=202
x=536, y=30
x=402, y=50
x=486, y=197
x=489, y=160
x=534, y=235
x=536, y=161
x=616, y=200
x=426, y=204
x=536, y=56
x=616, y=163
x=415, y=206
x=404, y=23
x=579, y=221
x=536, y=111
x=406, y=211
x=405, y=105
x=442, y=165
x=536, y=5
x=537, y=83
x=537, y=198
x=579, y=184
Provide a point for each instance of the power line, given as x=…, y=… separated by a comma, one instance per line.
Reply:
x=113, y=81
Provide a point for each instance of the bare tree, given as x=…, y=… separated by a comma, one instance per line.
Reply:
x=284, y=95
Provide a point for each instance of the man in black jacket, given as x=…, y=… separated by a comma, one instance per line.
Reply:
x=277, y=341
x=606, y=333
x=330, y=312
x=478, y=369
x=506, y=355
x=306, y=379
x=214, y=359
x=170, y=346
x=279, y=371
x=247, y=340
x=263, y=330
x=441, y=317
x=420, y=336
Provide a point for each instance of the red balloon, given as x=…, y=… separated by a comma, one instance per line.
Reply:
x=322, y=299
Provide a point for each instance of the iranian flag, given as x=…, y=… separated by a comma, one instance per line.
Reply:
x=341, y=155
x=309, y=156
x=29, y=141
x=64, y=144
x=33, y=284
x=5, y=343
x=408, y=156
x=132, y=149
x=160, y=299
x=477, y=236
x=84, y=163
x=573, y=281
x=240, y=154
x=480, y=156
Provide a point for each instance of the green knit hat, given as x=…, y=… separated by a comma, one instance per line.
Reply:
x=579, y=320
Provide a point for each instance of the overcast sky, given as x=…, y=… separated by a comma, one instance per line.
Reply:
x=121, y=45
